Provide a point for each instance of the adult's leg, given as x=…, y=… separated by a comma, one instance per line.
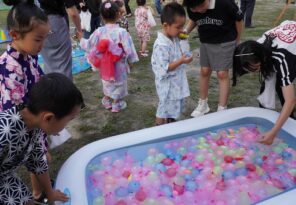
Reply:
x=57, y=48
x=95, y=22
x=158, y=6
x=127, y=7
x=249, y=12
x=243, y=6
x=223, y=78
x=204, y=79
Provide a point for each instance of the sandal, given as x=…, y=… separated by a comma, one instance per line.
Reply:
x=144, y=54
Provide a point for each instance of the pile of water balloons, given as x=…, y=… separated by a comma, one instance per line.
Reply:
x=223, y=167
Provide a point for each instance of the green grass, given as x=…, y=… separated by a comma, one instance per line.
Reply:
x=95, y=122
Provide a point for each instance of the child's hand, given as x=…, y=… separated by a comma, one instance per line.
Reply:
x=57, y=195
x=186, y=59
x=78, y=35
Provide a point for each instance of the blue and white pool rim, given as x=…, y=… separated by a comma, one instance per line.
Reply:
x=71, y=176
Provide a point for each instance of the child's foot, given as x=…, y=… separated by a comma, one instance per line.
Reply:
x=107, y=103
x=120, y=105
x=143, y=54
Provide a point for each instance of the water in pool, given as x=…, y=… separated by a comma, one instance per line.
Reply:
x=222, y=167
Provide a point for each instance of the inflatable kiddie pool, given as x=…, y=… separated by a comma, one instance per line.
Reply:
x=214, y=159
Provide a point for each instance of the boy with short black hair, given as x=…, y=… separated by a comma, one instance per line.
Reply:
x=49, y=109
x=219, y=25
x=168, y=64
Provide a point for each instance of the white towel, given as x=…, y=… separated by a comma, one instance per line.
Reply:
x=267, y=98
x=57, y=140
x=85, y=20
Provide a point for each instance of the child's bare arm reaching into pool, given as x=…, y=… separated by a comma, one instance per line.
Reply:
x=52, y=194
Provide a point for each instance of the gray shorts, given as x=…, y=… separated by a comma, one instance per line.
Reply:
x=218, y=57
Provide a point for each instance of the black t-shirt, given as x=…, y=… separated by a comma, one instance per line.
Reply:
x=94, y=6
x=56, y=6
x=217, y=25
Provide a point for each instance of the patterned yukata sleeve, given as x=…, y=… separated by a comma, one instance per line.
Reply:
x=37, y=162
x=12, y=89
x=89, y=44
x=129, y=47
x=160, y=61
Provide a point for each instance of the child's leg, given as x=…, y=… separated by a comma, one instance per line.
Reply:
x=118, y=104
x=107, y=102
x=143, y=46
x=223, y=78
x=160, y=121
x=204, y=79
x=141, y=43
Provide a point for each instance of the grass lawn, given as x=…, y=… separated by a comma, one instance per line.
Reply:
x=95, y=123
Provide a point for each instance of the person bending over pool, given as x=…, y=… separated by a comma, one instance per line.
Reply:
x=274, y=57
x=49, y=108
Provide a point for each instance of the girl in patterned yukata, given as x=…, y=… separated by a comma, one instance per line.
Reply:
x=114, y=87
x=168, y=64
x=19, y=70
x=142, y=26
x=122, y=20
x=48, y=109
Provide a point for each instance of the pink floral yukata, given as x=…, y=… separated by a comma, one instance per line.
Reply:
x=116, y=89
x=17, y=76
x=142, y=24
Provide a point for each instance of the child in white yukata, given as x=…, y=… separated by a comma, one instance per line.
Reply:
x=113, y=61
x=168, y=64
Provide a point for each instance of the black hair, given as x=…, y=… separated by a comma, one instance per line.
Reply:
x=119, y=3
x=24, y=16
x=170, y=11
x=55, y=93
x=109, y=13
x=192, y=3
x=253, y=52
x=141, y=2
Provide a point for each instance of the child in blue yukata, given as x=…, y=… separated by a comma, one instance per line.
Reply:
x=48, y=109
x=169, y=63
